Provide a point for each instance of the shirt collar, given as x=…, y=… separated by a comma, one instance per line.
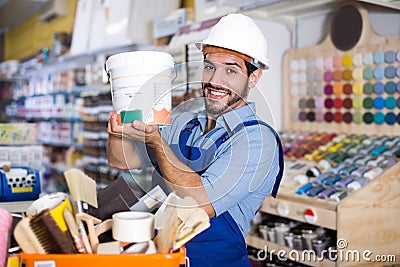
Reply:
x=232, y=118
x=237, y=116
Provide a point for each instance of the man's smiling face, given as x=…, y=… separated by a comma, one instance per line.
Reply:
x=225, y=83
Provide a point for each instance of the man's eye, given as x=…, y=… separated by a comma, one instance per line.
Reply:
x=231, y=71
x=208, y=67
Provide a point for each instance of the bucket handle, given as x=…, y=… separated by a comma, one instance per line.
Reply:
x=108, y=74
x=176, y=74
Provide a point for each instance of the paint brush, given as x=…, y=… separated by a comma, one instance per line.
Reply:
x=81, y=187
x=166, y=235
x=90, y=222
x=84, y=236
x=74, y=231
x=83, y=192
x=50, y=235
x=26, y=239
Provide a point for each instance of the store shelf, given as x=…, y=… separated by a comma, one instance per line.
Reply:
x=77, y=91
x=296, y=209
x=13, y=78
x=94, y=143
x=367, y=219
x=274, y=248
x=58, y=167
x=35, y=67
x=49, y=118
x=60, y=144
x=56, y=77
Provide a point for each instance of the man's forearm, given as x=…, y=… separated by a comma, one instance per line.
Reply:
x=121, y=154
x=172, y=168
x=180, y=178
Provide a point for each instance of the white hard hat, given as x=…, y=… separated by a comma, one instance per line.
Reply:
x=239, y=33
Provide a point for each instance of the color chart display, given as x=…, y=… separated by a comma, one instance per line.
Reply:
x=353, y=91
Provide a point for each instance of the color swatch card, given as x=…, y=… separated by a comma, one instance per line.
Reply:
x=352, y=91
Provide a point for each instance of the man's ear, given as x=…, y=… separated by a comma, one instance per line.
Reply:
x=254, y=77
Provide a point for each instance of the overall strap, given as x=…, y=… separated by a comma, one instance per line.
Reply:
x=228, y=135
x=187, y=150
x=184, y=136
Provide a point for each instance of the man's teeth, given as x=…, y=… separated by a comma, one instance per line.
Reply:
x=216, y=93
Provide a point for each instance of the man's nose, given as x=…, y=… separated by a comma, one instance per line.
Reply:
x=217, y=77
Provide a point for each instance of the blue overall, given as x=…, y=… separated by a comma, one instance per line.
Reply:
x=222, y=244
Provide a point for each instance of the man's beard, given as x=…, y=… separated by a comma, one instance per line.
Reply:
x=216, y=107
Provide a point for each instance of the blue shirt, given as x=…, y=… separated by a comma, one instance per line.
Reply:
x=243, y=170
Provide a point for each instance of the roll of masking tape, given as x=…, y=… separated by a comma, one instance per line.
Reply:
x=133, y=226
x=56, y=203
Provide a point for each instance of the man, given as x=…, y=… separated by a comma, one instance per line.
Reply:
x=225, y=158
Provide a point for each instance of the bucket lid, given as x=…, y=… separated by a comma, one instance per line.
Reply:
x=139, y=58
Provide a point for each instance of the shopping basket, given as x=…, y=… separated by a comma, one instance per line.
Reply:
x=83, y=260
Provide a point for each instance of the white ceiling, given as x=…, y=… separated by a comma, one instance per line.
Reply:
x=297, y=8
x=13, y=12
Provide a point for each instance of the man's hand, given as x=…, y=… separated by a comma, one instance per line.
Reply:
x=113, y=127
x=137, y=130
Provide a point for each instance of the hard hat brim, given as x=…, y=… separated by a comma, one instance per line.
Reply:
x=200, y=46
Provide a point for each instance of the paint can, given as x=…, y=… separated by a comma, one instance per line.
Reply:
x=141, y=86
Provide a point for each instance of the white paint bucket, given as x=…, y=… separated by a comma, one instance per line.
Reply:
x=141, y=86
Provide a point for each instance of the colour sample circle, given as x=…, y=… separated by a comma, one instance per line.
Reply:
x=319, y=103
x=347, y=117
x=368, y=73
x=368, y=59
x=328, y=89
x=378, y=57
x=368, y=88
x=390, y=88
x=347, y=103
x=379, y=118
x=337, y=103
x=379, y=102
x=390, y=72
x=390, y=56
x=357, y=60
x=357, y=117
x=328, y=103
x=328, y=117
x=302, y=116
x=347, y=89
x=379, y=73
x=390, y=102
x=338, y=117
x=368, y=103
x=368, y=117
x=379, y=88
x=390, y=118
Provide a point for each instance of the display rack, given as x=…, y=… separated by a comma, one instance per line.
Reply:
x=34, y=67
x=366, y=219
x=56, y=98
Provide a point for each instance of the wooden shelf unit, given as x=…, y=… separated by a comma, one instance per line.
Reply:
x=366, y=219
